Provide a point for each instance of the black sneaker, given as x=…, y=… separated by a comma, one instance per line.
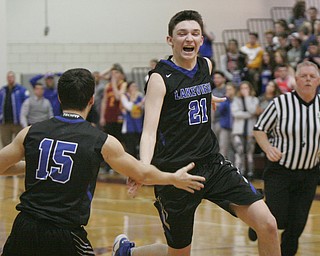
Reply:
x=252, y=235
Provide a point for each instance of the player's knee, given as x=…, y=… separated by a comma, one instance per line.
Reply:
x=268, y=226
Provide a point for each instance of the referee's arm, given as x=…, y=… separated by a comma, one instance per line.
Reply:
x=265, y=123
x=272, y=153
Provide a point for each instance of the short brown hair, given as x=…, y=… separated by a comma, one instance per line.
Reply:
x=182, y=16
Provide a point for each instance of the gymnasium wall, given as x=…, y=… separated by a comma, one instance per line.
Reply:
x=96, y=33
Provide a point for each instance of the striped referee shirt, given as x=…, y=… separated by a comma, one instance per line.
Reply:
x=293, y=126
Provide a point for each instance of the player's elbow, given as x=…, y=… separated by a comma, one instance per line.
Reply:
x=146, y=177
x=143, y=178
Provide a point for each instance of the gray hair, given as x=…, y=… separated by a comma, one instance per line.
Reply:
x=307, y=64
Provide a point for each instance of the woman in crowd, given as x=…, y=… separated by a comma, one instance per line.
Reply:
x=244, y=111
x=132, y=102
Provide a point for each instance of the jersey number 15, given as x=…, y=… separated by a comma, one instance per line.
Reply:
x=61, y=172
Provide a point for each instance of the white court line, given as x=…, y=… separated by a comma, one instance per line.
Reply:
x=157, y=217
x=201, y=222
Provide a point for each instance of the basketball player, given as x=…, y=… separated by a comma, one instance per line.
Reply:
x=62, y=159
x=176, y=131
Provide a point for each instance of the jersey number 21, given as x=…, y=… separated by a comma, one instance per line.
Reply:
x=198, y=112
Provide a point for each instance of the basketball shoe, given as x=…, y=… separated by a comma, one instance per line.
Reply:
x=122, y=246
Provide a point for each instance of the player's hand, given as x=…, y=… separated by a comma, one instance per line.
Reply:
x=133, y=187
x=273, y=154
x=215, y=100
x=186, y=181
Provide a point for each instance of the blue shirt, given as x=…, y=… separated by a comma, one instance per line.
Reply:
x=225, y=114
x=18, y=95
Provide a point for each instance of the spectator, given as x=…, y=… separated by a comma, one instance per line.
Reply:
x=272, y=91
x=254, y=52
x=313, y=17
x=226, y=123
x=298, y=16
x=98, y=93
x=111, y=116
x=132, y=102
x=93, y=117
x=244, y=111
x=281, y=58
x=219, y=90
x=285, y=81
x=94, y=114
x=233, y=63
x=12, y=95
x=283, y=42
x=316, y=28
x=280, y=26
x=152, y=65
x=266, y=71
x=50, y=90
x=270, y=45
x=36, y=108
x=306, y=37
x=294, y=54
x=313, y=53
x=206, y=49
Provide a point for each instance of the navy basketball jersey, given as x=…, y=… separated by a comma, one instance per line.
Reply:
x=63, y=157
x=184, y=131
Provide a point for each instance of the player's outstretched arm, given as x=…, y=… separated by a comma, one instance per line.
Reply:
x=216, y=100
x=147, y=174
x=11, y=155
x=153, y=104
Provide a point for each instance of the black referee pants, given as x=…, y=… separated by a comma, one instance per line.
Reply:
x=289, y=195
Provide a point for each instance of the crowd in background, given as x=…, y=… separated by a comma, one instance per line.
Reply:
x=253, y=74
x=250, y=76
x=118, y=107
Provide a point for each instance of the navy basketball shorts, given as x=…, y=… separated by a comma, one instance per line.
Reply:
x=224, y=185
x=32, y=237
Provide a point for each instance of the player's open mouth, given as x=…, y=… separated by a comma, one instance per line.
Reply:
x=188, y=48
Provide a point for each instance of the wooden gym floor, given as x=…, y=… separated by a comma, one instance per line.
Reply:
x=113, y=212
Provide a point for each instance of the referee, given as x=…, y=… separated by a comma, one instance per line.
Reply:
x=288, y=131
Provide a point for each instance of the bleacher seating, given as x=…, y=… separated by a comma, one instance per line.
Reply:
x=314, y=3
x=260, y=26
x=138, y=75
x=241, y=35
x=280, y=12
x=219, y=48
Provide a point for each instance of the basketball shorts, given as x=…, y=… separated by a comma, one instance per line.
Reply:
x=224, y=185
x=32, y=237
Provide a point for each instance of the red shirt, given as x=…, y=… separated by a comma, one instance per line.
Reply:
x=113, y=108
